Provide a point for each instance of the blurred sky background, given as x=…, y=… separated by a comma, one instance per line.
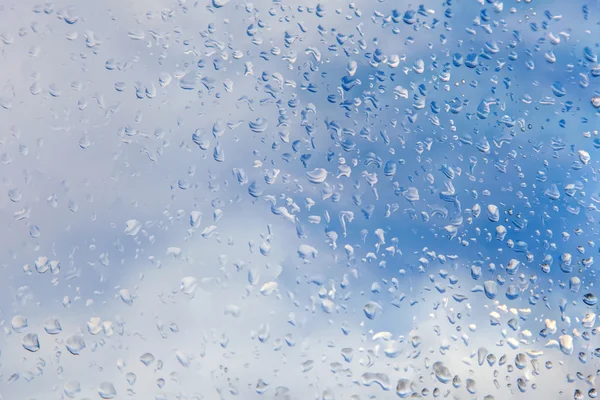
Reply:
x=163, y=168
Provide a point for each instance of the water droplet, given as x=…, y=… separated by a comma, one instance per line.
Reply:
x=75, y=344
x=318, y=175
x=52, y=326
x=442, y=373
x=31, y=342
x=189, y=285
x=132, y=227
x=19, y=323
x=72, y=388
x=147, y=359
x=107, y=390
x=219, y=3
x=405, y=388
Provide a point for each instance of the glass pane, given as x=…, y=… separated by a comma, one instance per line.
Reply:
x=220, y=199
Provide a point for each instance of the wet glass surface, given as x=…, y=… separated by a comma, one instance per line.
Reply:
x=299, y=200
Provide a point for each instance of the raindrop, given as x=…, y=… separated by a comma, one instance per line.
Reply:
x=31, y=342
x=106, y=390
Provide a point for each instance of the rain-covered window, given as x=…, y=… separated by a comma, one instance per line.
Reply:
x=299, y=200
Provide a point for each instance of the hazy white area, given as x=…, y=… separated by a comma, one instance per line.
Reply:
x=292, y=200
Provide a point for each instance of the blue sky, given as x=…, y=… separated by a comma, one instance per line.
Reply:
x=150, y=113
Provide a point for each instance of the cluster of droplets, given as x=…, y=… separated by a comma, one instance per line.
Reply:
x=426, y=175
